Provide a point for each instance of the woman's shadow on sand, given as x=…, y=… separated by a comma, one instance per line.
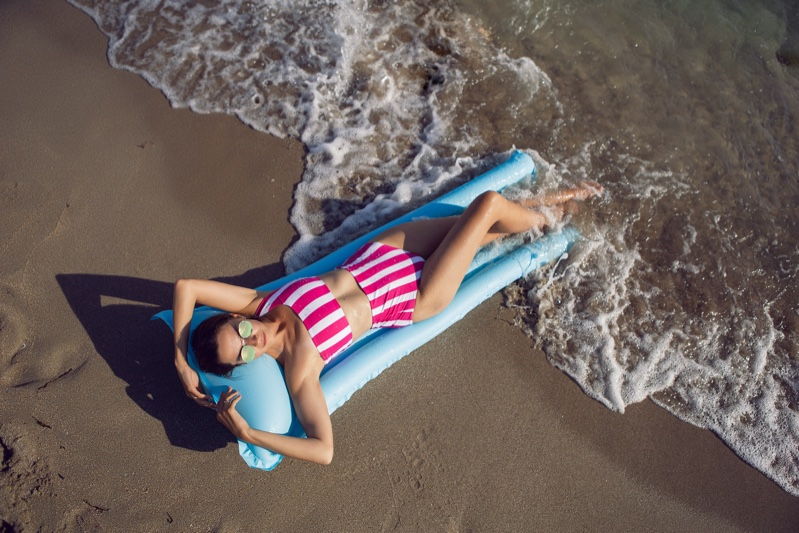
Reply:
x=116, y=313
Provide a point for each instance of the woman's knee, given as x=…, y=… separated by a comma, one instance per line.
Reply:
x=487, y=206
x=488, y=200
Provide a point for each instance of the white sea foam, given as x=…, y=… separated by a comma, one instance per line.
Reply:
x=673, y=294
x=381, y=94
x=610, y=322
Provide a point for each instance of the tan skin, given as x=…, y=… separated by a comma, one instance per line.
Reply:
x=448, y=246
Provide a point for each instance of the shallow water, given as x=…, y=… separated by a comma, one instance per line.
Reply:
x=682, y=291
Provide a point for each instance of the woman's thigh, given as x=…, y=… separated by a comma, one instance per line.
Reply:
x=420, y=237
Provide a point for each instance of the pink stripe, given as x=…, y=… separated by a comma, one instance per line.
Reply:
x=334, y=350
x=304, y=295
x=260, y=306
x=382, y=257
x=274, y=297
x=405, y=273
x=319, y=315
x=365, y=253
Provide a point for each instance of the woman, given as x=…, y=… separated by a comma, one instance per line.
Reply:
x=407, y=274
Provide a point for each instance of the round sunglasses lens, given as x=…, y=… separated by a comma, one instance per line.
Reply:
x=248, y=354
x=245, y=329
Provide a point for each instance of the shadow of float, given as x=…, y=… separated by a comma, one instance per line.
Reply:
x=116, y=313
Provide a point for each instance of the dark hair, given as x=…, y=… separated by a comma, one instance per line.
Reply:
x=206, y=349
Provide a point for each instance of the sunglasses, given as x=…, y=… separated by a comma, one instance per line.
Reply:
x=247, y=352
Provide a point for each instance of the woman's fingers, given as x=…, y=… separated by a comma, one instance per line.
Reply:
x=224, y=395
x=200, y=398
x=206, y=401
x=227, y=399
x=191, y=385
x=229, y=394
x=226, y=413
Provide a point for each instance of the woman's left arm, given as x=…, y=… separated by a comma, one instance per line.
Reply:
x=311, y=408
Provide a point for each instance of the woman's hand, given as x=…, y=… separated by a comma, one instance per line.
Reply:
x=191, y=384
x=230, y=418
x=317, y=447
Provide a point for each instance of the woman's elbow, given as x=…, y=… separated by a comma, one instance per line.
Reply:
x=325, y=454
x=183, y=286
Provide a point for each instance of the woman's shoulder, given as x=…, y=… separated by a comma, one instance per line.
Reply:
x=258, y=305
x=301, y=359
x=302, y=367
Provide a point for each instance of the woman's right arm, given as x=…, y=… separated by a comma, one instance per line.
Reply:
x=188, y=293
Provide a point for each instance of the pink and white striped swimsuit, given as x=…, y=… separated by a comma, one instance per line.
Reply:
x=390, y=279
x=388, y=276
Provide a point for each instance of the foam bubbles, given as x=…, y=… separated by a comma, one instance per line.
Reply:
x=626, y=330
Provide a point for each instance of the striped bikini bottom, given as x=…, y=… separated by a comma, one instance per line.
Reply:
x=390, y=279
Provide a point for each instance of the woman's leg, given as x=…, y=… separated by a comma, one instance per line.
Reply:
x=489, y=217
x=450, y=244
x=422, y=237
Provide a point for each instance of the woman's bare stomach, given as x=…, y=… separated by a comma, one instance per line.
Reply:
x=352, y=300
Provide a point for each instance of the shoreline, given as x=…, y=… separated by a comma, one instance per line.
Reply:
x=109, y=195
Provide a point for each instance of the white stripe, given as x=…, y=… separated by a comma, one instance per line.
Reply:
x=399, y=299
x=385, y=272
x=301, y=291
x=370, y=250
x=380, y=259
x=326, y=321
x=393, y=268
x=396, y=323
x=270, y=302
x=315, y=304
x=396, y=284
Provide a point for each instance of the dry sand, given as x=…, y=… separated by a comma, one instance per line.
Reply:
x=107, y=195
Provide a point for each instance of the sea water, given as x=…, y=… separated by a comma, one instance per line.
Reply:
x=684, y=288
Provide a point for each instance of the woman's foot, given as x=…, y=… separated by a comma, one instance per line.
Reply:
x=582, y=191
x=571, y=208
x=586, y=189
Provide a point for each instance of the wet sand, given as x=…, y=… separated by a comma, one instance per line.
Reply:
x=108, y=195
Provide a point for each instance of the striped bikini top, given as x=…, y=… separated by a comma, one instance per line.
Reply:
x=319, y=311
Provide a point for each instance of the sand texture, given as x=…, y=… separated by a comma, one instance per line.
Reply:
x=107, y=195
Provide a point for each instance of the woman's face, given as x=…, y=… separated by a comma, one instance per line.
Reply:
x=230, y=340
